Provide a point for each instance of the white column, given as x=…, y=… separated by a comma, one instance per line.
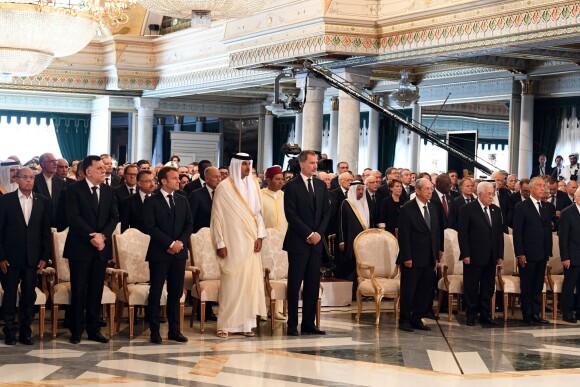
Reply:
x=144, y=133
x=312, y=113
x=268, y=141
x=373, y=148
x=333, y=141
x=100, y=135
x=415, y=140
x=348, y=130
x=514, y=133
x=177, y=123
x=526, y=130
x=158, y=148
x=298, y=130
x=199, y=124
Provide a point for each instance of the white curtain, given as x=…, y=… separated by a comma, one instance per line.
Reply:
x=569, y=135
x=403, y=148
x=363, y=146
x=26, y=141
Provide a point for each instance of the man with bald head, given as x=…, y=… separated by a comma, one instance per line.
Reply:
x=201, y=199
x=24, y=251
x=326, y=178
x=62, y=170
x=344, y=180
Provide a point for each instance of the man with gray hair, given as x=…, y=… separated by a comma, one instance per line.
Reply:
x=372, y=185
x=570, y=255
x=481, y=245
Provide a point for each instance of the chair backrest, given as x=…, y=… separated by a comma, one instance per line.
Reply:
x=59, y=262
x=452, y=252
x=555, y=261
x=204, y=255
x=509, y=257
x=377, y=248
x=274, y=257
x=130, y=252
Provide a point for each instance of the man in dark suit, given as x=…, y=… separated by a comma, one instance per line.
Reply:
x=128, y=186
x=341, y=167
x=558, y=199
x=92, y=217
x=421, y=247
x=307, y=210
x=515, y=199
x=532, y=247
x=541, y=169
x=558, y=169
x=444, y=203
x=24, y=250
x=454, y=191
x=408, y=189
x=167, y=219
x=199, y=182
x=48, y=184
x=132, y=208
x=62, y=170
x=569, y=241
x=481, y=244
x=372, y=184
x=111, y=179
x=201, y=199
x=466, y=195
x=502, y=194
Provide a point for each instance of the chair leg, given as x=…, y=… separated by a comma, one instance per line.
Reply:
x=54, y=319
x=554, y=305
x=111, y=319
x=285, y=307
x=358, y=304
x=318, y=306
x=181, y=315
x=104, y=311
x=41, y=321
x=131, y=320
x=120, y=306
x=397, y=303
x=543, y=311
x=450, y=306
x=378, y=299
x=202, y=317
x=493, y=306
x=439, y=302
x=272, y=313
x=193, y=311
x=505, y=305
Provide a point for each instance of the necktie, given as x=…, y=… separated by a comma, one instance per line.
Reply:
x=107, y=181
x=95, y=197
x=427, y=217
x=310, y=190
x=487, y=216
x=444, y=203
x=541, y=171
x=408, y=190
x=553, y=200
x=171, y=202
x=540, y=208
x=373, y=199
x=131, y=191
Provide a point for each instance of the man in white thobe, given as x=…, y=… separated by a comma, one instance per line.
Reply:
x=237, y=230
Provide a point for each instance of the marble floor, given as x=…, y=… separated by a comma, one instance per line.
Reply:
x=351, y=354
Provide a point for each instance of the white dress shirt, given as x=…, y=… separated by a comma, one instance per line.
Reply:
x=26, y=205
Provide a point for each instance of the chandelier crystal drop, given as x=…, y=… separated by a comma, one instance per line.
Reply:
x=212, y=9
x=36, y=31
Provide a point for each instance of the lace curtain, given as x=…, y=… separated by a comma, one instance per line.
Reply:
x=569, y=133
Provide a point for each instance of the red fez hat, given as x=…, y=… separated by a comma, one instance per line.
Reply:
x=273, y=171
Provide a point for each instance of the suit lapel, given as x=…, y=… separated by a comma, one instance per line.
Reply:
x=306, y=194
x=482, y=215
x=18, y=208
x=419, y=212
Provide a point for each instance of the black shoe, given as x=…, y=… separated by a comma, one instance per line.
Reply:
x=470, y=322
x=312, y=331
x=538, y=320
x=74, y=339
x=420, y=326
x=292, y=332
x=486, y=322
x=177, y=336
x=155, y=338
x=570, y=319
x=431, y=316
x=99, y=338
x=406, y=327
x=10, y=340
x=26, y=340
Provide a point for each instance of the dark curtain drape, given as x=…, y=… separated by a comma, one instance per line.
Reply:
x=388, y=132
x=72, y=130
x=548, y=115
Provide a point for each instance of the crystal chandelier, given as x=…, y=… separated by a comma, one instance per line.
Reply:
x=202, y=12
x=36, y=31
x=407, y=92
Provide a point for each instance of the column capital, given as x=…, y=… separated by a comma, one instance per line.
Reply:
x=527, y=86
x=313, y=82
x=146, y=103
x=160, y=120
x=178, y=120
x=356, y=77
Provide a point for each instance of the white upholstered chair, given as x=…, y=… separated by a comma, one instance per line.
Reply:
x=555, y=275
x=133, y=271
x=451, y=280
x=377, y=272
x=60, y=287
x=206, y=273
